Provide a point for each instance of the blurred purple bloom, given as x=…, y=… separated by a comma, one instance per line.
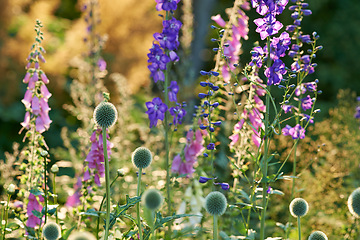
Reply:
x=295, y=132
x=101, y=64
x=33, y=205
x=166, y=5
x=224, y=186
x=306, y=102
x=173, y=90
x=178, y=114
x=156, y=111
x=95, y=158
x=204, y=179
x=286, y=108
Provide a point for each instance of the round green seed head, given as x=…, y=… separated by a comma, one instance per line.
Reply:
x=318, y=235
x=82, y=236
x=298, y=207
x=354, y=203
x=215, y=203
x=152, y=199
x=51, y=231
x=105, y=115
x=141, y=157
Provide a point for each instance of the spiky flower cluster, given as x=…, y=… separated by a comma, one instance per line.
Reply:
x=152, y=199
x=215, y=203
x=105, y=115
x=298, y=207
x=317, y=235
x=354, y=203
x=51, y=231
x=141, y=157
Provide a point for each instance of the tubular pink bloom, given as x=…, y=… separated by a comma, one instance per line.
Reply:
x=35, y=105
x=44, y=78
x=259, y=104
x=73, y=200
x=45, y=92
x=236, y=132
x=39, y=125
x=27, y=99
x=33, y=80
x=33, y=204
x=97, y=179
x=176, y=163
x=26, y=78
x=44, y=105
x=86, y=176
x=256, y=138
x=45, y=119
x=218, y=19
x=234, y=139
x=26, y=122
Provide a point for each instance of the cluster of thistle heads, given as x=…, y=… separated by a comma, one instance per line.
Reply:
x=299, y=208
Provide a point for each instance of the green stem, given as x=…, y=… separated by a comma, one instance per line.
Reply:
x=266, y=148
x=138, y=204
x=101, y=204
x=107, y=183
x=45, y=189
x=167, y=152
x=6, y=215
x=215, y=225
x=55, y=199
x=299, y=227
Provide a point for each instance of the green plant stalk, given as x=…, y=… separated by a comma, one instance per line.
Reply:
x=55, y=199
x=215, y=226
x=6, y=215
x=101, y=204
x=45, y=189
x=266, y=148
x=299, y=227
x=107, y=184
x=153, y=226
x=167, y=152
x=138, y=204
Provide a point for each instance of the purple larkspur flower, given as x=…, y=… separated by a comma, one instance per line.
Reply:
x=267, y=26
x=295, y=132
x=265, y=6
x=156, y=111
x=204, y=179
x=280, y=45
x=173, y=90
x=286, y=108
x=257, y=55
x=275, y=72
x=166, y=5
x=224, y=186
x=178, y=114
x=306, y=102
x=158, y=60
x=308, y=118
x=169, y=38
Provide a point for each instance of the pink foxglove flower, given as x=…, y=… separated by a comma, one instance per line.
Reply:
x=33, y=204
x=95, y=158
x=184, y=163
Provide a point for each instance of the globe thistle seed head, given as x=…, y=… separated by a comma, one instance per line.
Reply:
x=51, y=231
x=141, y=157
x=298, y=207
x=215, y=203
x=354, y=203
x=152, y=199
x=82, y=236
x=317, y=235
x=105, y=115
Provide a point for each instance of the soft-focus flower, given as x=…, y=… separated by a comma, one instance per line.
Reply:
x=166, y=5
x=33, y=205
x=173, y=90
x=156, y=111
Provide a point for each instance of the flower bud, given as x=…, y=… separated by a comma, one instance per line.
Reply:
x=152, y=199
x=318, y=235
x=54, y=168
x=11, y=189
x=105, y=115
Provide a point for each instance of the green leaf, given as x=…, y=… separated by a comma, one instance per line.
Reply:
x=36, y=192
x=37, y=214
x=67, y=233
x=92, y=212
